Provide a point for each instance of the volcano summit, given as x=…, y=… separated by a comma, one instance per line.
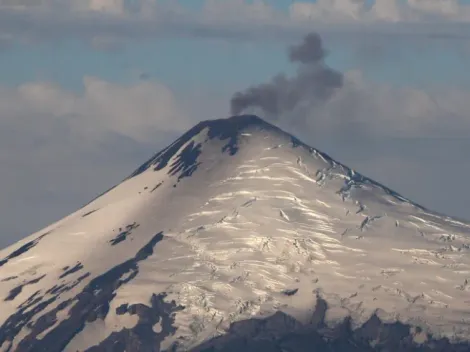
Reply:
x=239, y=237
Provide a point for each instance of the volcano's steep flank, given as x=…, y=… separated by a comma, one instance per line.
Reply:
x=238, y=236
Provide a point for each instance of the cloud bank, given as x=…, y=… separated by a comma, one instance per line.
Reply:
x=135, y=111
x=382, y=10
x=118, y=20
x=324, y=10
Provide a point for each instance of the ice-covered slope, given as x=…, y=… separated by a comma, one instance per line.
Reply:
x=233, y=221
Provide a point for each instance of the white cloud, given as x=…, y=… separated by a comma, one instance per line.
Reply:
x=324, y=10
x=143, y=19
x=381, y=10
x=387, y=10
x=135, y=111
x=321, y=10
x=139, y=110
x=328, y=9
x=257, y=10
x=110, y=6
x=445, y=8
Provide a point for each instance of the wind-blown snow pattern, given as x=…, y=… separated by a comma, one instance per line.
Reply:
x=240, y=237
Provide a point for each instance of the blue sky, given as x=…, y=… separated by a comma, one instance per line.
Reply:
x=211, y=62
x=90, y=89
x=214, y=62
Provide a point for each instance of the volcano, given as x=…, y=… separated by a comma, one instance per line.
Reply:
x=239, y=237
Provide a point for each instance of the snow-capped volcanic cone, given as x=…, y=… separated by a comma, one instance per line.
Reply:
x=239, y=237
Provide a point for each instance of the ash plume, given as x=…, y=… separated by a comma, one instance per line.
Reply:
x=313, y=84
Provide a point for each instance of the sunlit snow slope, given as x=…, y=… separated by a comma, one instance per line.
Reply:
x=233, y=221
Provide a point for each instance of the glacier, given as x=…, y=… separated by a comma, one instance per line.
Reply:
x=238, y=236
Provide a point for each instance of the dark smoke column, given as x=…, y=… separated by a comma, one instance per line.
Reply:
x=313, y=84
